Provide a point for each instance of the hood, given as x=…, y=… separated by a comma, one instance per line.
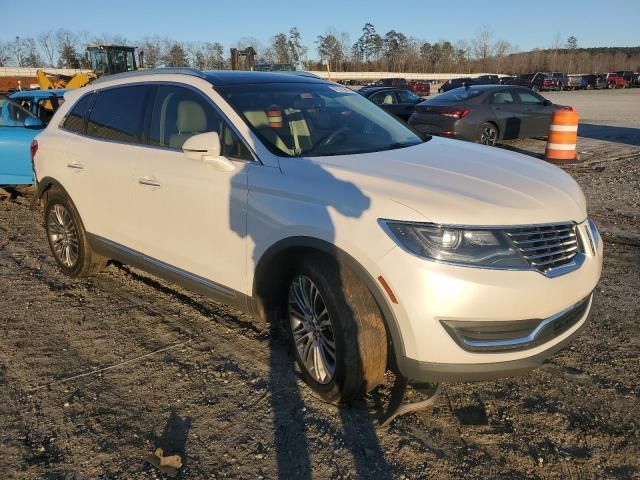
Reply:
x=459, y=183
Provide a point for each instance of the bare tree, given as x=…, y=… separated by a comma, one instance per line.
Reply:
x=47, y=43
x=481, y=45
x=4, y=54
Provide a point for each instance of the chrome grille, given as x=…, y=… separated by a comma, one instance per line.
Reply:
x=546, y=247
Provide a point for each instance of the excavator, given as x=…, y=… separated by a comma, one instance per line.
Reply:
x=105, y=60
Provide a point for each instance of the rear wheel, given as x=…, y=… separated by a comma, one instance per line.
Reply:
x=68, y=239
x=336, y=330
x=488, y=134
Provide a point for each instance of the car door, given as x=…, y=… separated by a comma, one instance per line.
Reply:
x=387, y=100
x=15, y=144
x=537, y=115
x=191, y=216
x=100, y=162
x=508, y=113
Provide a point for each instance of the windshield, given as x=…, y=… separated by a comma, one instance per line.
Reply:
x=316, y=119
x=12, y=114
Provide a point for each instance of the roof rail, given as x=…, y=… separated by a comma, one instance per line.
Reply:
x=194, y=72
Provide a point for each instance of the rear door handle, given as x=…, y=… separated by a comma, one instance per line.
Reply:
x=149, y=182
x=75, y=165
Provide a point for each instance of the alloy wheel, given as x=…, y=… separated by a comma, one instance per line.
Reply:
x=63, y=235
x=488, y=136
x=312, y=329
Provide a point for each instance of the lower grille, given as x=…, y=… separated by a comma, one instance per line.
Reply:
x=516, y=335
x=546, y=247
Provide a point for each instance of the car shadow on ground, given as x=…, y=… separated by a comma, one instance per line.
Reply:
x=289, y=413
x=610, y=133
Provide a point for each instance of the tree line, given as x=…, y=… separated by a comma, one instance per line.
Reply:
x=392, y=51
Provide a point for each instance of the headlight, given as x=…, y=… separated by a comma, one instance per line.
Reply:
x=459, y=245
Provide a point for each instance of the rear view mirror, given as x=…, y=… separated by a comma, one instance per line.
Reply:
x=33, y=123
x=205, y=147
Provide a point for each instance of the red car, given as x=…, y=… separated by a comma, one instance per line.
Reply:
x=613, y=80
x=422, y=88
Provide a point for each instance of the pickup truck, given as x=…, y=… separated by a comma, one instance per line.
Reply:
x=576, y=82
x=537, y=82
x=613, y=80
x=630, y=77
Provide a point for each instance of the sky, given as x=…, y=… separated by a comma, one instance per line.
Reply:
x=601, y=23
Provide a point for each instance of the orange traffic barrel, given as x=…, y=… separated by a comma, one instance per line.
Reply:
x=563, y=134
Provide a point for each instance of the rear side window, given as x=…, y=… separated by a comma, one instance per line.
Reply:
x=117, y=114
x=75, y=118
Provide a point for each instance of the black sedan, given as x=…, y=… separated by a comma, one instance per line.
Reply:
x=397, y=101
x=485, y=114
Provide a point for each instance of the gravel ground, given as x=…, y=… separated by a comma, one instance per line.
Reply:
x=193, y=377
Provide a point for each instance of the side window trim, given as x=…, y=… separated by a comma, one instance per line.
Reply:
x=146, y=126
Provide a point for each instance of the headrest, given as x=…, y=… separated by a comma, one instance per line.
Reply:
x=191, y=117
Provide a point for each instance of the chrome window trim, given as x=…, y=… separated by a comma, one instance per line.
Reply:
x=576, y=262
x=225, y=118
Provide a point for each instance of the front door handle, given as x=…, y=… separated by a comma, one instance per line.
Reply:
x=75, y=165
x=149, y=182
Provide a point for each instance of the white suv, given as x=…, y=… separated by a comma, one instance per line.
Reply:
x=296, y=199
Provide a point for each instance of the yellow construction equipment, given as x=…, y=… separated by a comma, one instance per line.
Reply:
x=105, y=60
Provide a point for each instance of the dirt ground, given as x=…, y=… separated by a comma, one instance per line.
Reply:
x=97, y=373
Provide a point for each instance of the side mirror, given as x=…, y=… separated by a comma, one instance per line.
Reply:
x=546, y=103
x=33, y=123
x=205, y=147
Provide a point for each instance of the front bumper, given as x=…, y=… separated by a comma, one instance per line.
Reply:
x=431, y=294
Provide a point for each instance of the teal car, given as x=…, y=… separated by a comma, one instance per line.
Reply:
x=18, y=128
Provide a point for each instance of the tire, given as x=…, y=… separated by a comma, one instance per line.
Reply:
x=346, y=316
x=68, y=238
x=488, y=135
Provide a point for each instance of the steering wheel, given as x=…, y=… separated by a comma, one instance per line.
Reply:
x=332, y=137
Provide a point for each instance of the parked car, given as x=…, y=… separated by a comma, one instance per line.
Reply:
x=396, y=101
x=596, y=81
x=576, y=82
x=455, y=83
x=18, y=128
x=561, y=79
x=422, y=88
x=299, y=200
x=392, y=82
x=41, y=103
x=485, y=114
x=486, y=80
x=613, y=80
x=506, y=80
x=537, y=82
x=629, y=77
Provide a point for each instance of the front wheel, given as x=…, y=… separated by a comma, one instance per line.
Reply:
x=336, y=330
x=68, y=239
x=488, y=134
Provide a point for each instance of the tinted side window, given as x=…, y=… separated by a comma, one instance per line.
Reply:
x=233, y=147
x=117, y=114
x=179, y=113
x=75, y=118
x=406, y=96
x=384, y=98
x=502, y=97
x=530, y=98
